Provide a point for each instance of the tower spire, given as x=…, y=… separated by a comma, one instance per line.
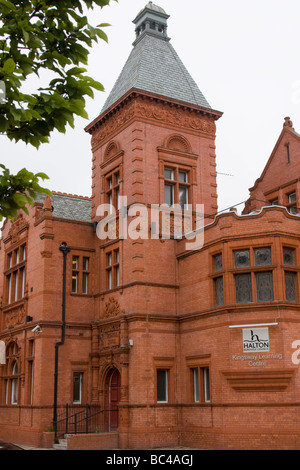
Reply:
x=151, y=20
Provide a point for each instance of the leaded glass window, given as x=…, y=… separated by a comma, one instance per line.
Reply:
x=288, y=256
x=242, y=259
x=243, y=288
x=218, y=262
x=262, y=256
x=290, y=286
x=219, y=290
x=264, y=286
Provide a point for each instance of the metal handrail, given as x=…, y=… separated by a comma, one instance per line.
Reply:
x=72, y=423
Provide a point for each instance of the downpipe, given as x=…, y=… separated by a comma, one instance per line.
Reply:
x=65, y=250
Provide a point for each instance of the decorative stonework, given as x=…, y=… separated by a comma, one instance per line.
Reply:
x=112, y=308
x=154, y=110
x=109, y=336
x=178, y=142
x=111, y=150
x=175, y=116
x=15, y=316
x=17, y=227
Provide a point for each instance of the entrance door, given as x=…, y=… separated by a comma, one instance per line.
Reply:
x=114, y=398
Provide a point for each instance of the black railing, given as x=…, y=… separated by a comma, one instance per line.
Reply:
x=85, y=419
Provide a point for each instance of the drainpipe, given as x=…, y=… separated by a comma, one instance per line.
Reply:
x=65, y=250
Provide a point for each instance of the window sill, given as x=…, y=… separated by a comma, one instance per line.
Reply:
x=75, y=294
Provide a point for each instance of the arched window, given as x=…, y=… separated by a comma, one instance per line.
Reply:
x=11, y=374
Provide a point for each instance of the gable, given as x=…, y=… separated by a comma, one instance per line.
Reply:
x=283, y=165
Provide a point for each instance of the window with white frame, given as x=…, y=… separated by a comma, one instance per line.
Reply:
x=201, y=384
x=113, y=269
x=176, y=186
x=15, y=274
x=80, y=274
x=162, y=385
x=77, y=387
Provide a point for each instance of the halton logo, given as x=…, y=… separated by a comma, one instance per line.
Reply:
x=256, y=339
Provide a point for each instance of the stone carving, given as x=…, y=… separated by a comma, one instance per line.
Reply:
x=112, y=308
x=176, y=116
x=154, y=110
x=109, y=337
x=15, y=317
x=17, y=226
x=111, y=150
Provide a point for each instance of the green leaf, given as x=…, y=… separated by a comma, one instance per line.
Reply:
x=76, y=71
x=4, y=124
x=20, y=199
x=7, y=5
x=9, y=66
x=25, y=35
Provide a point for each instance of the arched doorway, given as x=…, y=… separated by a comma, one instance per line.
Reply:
x=113, y=383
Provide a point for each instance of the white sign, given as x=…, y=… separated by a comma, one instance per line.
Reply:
x=2, y=353
x=256, y=339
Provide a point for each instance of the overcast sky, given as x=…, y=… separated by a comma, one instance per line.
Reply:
x=244, y=56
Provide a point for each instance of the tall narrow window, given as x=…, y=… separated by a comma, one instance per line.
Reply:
x=201, y=384
x=264, y=286
x=113, y=269
x=75, y=273
x=288, y=256
x=22, y=271
x=85, y=274
x=14, y=384
x=219, y=290
x=218, y=281
x=30, y=377
x=162, y=385
x=113, y=190
x=9, y=283
x=77, y=387
x=290, y=279
x=183, y=188
x=206, y=384
x=288, y=156
x=243, y=288
x=16, y=278
x=30, y=370
x=196, y=385
x=292, y=203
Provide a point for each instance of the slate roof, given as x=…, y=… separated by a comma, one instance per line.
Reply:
x=69, y=207
x=154, y=66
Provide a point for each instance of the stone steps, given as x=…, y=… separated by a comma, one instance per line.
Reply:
x=61, y=445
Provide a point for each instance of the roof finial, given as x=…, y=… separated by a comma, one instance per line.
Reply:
x=288, y=122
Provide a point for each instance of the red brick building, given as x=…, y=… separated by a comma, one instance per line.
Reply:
x=168, y=344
